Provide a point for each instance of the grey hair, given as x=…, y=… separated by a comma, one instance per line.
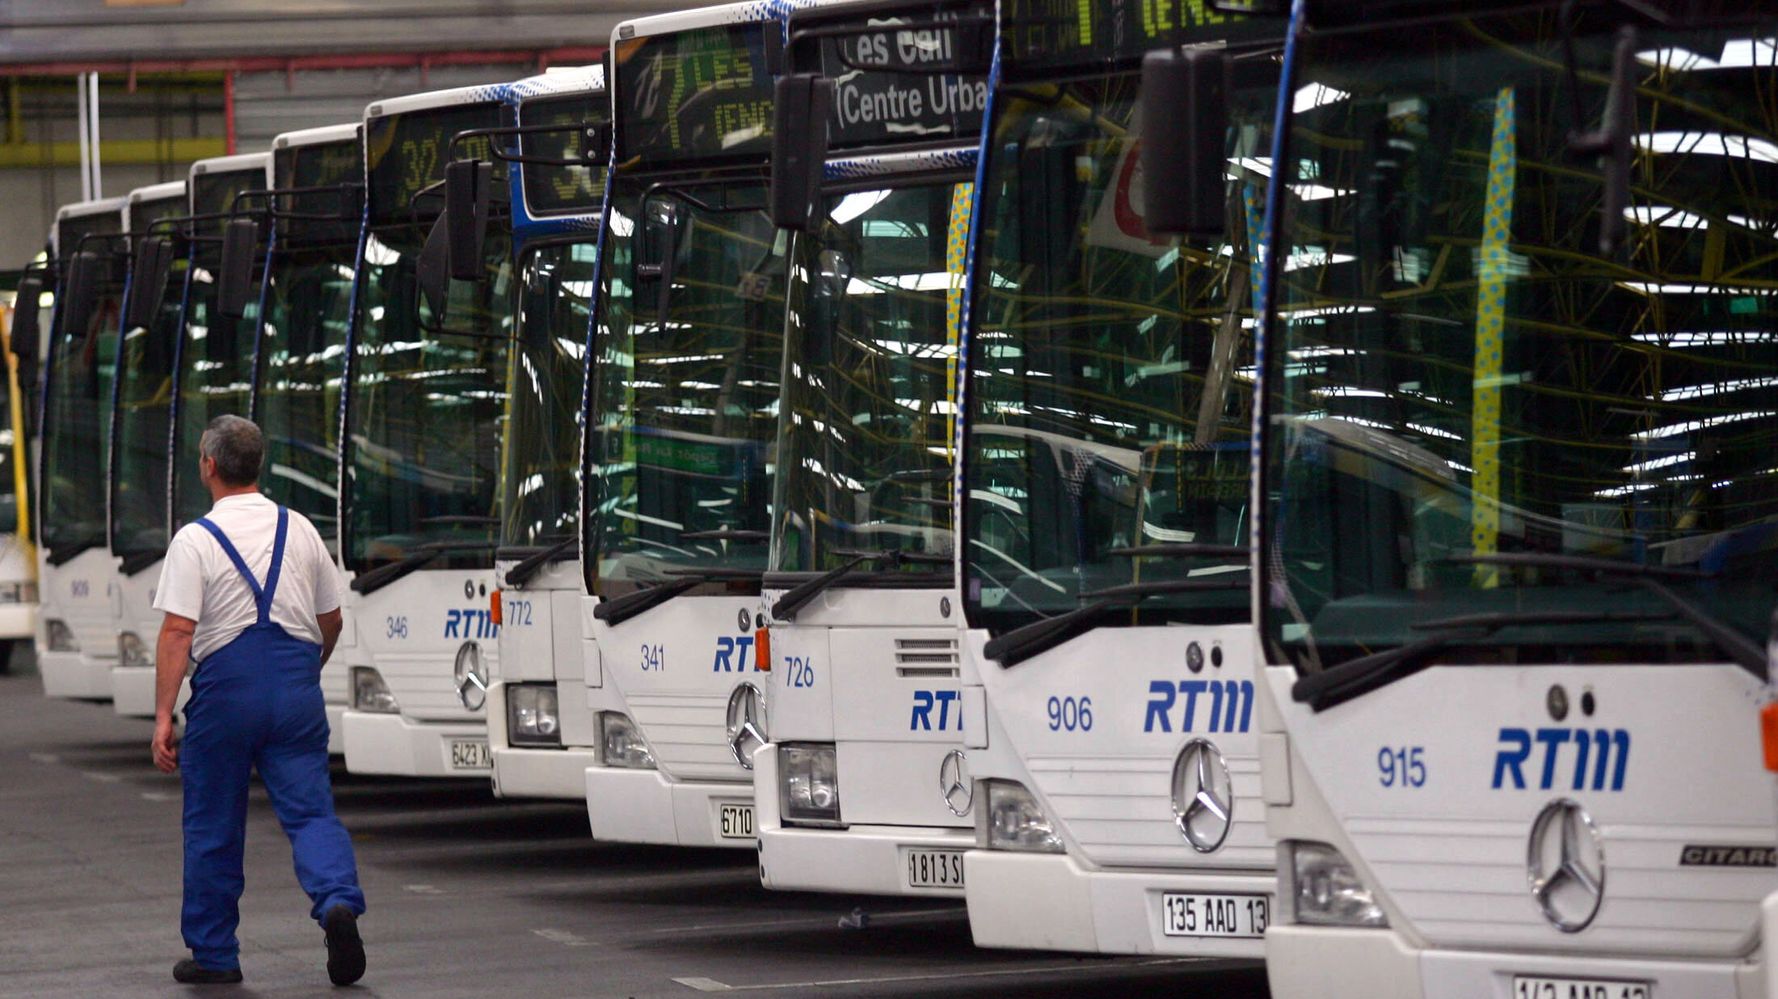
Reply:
x=237, y=446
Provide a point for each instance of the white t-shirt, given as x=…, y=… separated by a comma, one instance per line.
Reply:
x=200, y=581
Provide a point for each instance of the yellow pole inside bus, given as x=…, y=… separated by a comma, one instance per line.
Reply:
x=21, y=460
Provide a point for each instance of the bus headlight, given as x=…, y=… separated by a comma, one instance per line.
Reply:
x=60, y=637
x=1326, y=889
x=809, y=784
x=532, y=718
x=370, y=693
x=621, y=743
x=18, y=593
x=1016, y=821
x=131, y=651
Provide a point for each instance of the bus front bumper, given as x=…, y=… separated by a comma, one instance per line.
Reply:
x=389, y=744
x=645, y=806
x=1047, y=901
x=74, y=675
x=542, y=773
x=1319, y=961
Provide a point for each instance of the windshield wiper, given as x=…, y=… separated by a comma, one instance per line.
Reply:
x=383, y=575
x=798, y=596
x=1356, y=677
x=136, y=562
x=1185, y=550
x=66, y=553
x=531, y=565
x=1028, y=640
x=726, y=534
x=629, y=605
x=1743, y=650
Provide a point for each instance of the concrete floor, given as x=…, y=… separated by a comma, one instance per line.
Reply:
x=469, y=896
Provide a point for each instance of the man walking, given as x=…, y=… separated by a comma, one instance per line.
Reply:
x=255, y=703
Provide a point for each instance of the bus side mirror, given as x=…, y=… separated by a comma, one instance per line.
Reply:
x=148, y=281
x=1612, y=141
x=800, y=108
x=240, y=241
x=658, y=259
x=23, y=338
x=1183, y=191
x=432, y=271
x=467, y=184
x=76, y=304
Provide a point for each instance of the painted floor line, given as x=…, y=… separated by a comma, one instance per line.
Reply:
x=822, y=920
x=712, y=985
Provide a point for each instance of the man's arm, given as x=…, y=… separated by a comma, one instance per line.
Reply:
x=171, y=653
x=330, y=623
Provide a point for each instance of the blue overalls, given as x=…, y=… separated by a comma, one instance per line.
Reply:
x=256, y=702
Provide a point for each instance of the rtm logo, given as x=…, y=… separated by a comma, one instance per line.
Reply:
x=470, y=623
x=733, y=654
x=1608, y=750
x=1231, y=705
x=926, y=700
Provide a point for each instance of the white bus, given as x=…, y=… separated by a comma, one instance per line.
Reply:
x=683, y=370
x=861, y=602
x=426, y=358
x=1518, y=523
x=541, y=730
x=142, y=404
x=76, y=574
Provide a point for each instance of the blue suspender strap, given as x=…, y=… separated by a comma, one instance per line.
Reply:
x=240, y=565
x=271, y=576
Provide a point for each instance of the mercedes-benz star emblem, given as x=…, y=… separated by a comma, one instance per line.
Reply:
x=954, y=783
x=746, y=723
x=1566, y=865
x=1203, y=796
x=471, y=676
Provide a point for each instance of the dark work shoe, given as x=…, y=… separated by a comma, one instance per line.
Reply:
x=345, y=949
x=189, y=972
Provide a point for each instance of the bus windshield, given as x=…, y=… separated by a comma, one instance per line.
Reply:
x=216, y=353
x=865, y=447
x=543, y=438
x=427, y=399
x=1469, y=398
x=77, y=441
x=1109, y=372
x=302, y=354
x=144, y=406
x=684, y=406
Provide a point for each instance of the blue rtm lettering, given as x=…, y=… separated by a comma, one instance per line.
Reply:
x=733, y=654
x=471, y=623
x=1231, y=705
x=926, y=700
x=1599, y=755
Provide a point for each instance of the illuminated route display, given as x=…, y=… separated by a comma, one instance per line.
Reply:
x=889, y=81
x=406, y=154
x=704, y=94
x=559, y=190
x=1041, y=34
x=213, y=194
x=321, y=164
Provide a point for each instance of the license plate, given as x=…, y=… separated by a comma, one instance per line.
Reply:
x=935, y=869
x=467, y=754
x=1527, y=987
x=1197, y=914
x=737, y=821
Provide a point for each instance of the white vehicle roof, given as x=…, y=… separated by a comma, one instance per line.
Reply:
x=170, y=191
x=560, y=80
x=99, y=207
x=437, y=99
x=702, y=17
x=240, y=161
x=316, y=136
